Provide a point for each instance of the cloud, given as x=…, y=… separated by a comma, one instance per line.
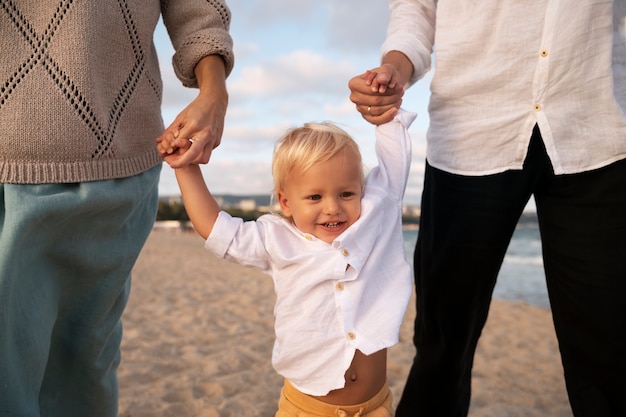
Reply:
x=250, y=138
x=256, y=14
x=225, y=176
x=355, y=25
x=347, y=26
x=293, y=61
x=295, y=73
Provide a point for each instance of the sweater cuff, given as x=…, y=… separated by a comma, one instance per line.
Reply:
x=193, y=49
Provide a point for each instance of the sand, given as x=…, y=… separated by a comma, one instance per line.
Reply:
x=198, y=334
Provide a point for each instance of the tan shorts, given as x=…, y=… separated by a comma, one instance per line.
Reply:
x=293, y=403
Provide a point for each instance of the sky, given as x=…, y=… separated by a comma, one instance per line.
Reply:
x=293, y=61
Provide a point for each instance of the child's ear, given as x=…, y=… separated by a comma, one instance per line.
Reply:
x=284, y=203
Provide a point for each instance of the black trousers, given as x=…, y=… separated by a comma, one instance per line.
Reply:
x=466, y=226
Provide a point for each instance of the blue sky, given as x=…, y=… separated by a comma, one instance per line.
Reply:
x=293, y=61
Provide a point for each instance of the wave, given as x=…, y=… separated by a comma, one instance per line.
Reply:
x=524, y=260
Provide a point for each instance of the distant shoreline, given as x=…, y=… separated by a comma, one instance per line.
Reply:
x=250, y=207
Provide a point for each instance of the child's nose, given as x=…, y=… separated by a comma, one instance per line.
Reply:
x=332, y=206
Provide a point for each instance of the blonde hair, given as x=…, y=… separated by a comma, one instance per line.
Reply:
x=302, y=147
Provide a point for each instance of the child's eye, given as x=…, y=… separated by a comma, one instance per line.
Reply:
x=346, y=194
x=315, y=197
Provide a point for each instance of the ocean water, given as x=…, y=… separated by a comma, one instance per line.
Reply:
x=521, y=277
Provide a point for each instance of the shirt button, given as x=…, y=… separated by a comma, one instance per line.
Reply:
x=308, y=237
x=345, y=252
x=537, y=107
x=339, y=286
x=351, y=336
x=543, y=53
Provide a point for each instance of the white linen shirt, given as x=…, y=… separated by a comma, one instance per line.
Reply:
x=332, y=299
x=502, y=66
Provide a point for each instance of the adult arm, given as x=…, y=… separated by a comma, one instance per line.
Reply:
x=199, y=31
x=202, y=120
x=378, y=92
x=406, y=57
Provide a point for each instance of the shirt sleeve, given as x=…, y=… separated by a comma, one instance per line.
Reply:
x=394, y=152
x=198, y=28
x=240, y=242
x=411, y=30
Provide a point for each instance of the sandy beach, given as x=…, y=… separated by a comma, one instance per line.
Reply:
x=198, y=334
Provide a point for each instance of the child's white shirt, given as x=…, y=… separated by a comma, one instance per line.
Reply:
x=332, y=299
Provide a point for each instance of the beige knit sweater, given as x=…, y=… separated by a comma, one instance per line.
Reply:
x=80, y=88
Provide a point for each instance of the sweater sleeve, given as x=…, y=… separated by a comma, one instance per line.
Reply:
x=197, y=28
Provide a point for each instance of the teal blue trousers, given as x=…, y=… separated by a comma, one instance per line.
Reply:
x=66, y=255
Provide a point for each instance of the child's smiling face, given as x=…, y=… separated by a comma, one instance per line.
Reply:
x=325, y=199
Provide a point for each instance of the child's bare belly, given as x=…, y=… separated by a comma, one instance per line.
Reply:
x=365, y=377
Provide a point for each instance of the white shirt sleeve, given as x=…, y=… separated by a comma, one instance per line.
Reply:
x=411, y=31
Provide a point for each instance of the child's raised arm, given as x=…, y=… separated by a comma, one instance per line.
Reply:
x=198, y=200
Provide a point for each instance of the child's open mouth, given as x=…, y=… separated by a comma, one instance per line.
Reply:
x=332, y=225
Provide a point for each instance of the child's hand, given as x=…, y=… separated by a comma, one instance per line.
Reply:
x=382, y=79
x=172, y=154
x=195, y=132
x=168, y=143
x=377, y=94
